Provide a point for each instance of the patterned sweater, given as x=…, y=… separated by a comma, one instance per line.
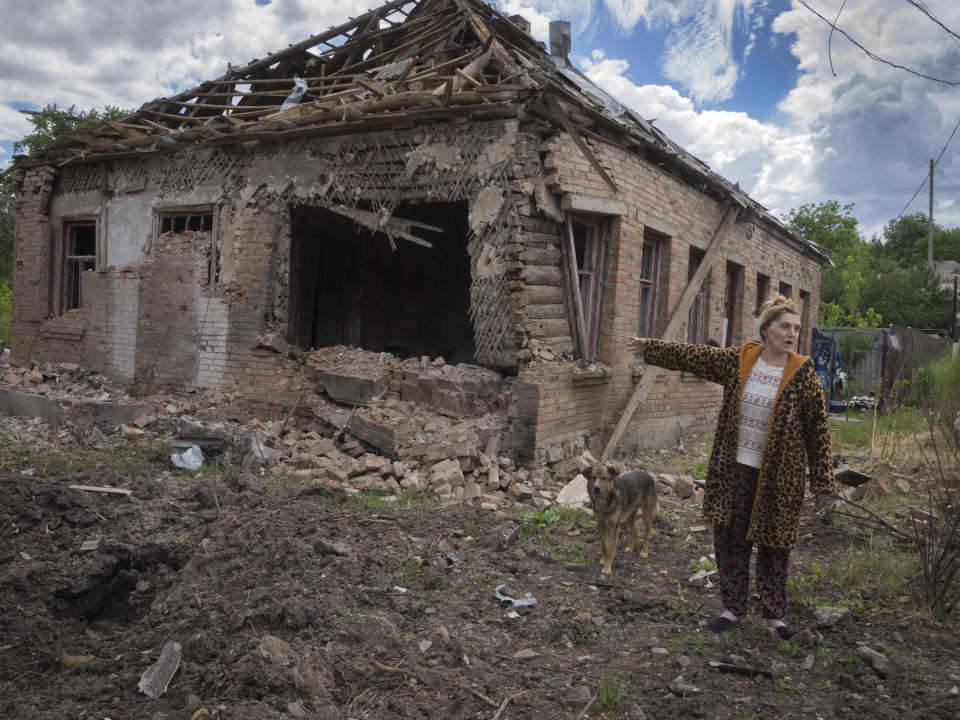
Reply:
x=798, y=436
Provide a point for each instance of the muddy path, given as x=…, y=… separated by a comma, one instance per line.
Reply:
x=290, y=600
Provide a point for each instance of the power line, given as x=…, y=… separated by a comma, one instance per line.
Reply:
x=927, y=177
x=874, y=56
x=923, y=8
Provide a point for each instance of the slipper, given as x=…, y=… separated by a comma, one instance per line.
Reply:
x=721, y=624
x=786, y=633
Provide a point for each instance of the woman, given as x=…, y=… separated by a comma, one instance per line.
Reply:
x=772, y=424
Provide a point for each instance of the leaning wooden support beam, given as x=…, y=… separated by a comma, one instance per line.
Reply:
x=674, y=324
x=572, y=130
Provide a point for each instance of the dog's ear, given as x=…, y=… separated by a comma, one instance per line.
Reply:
x=613, y=469
x=589, y=473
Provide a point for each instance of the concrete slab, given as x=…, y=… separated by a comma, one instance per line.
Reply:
x=354, y=389
x=29, y=405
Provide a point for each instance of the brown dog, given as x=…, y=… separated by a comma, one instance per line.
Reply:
x=620, y=499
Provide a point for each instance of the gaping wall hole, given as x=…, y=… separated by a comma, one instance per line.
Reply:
x=349, y=287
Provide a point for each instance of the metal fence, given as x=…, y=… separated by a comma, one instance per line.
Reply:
x=878, y=360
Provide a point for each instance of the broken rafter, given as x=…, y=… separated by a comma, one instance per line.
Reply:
x=391, y=226
x=467, y=74
x=499, y=51
x=426, y=41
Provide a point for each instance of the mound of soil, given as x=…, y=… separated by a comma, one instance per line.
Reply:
x=293, y=601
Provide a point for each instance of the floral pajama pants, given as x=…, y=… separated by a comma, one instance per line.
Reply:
x=733, y=551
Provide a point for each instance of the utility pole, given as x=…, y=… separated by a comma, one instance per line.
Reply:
x=953, y=327
x=930, y=221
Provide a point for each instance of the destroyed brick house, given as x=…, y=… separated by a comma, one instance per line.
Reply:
x=445, y=186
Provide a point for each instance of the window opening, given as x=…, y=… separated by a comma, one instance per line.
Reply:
x=79, y=254
x=696, y=316
x=804, y=321
x=649, y=287
x=586, y=250
x=730, y=292
x=763, y=290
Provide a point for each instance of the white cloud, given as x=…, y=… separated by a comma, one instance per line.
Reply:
x=86, y=53
x=13, y=124
x=774, y=164
x=699, y=50
x=628, y=13
x=874, y=126
x=539, y=22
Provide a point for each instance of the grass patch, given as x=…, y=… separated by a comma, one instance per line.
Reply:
x=702, y=564
x=535, y=523
x=789, y=647
x=884, y=573
x=696, y=469
x=886, y=437
x=574, y=553
x=609, y=693
x=373, y=499
x=802, y=588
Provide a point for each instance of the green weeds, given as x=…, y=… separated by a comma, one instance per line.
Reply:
x=609, y=693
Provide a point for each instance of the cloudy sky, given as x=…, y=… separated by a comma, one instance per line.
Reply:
x=759, y=89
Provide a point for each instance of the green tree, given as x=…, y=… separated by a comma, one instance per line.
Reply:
x=905, y=240
x=828, y=224
x=909, y=296
x=874, y=283
x=843, y=285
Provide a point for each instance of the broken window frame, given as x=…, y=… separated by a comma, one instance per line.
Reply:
x=173, y=212
x=697, y=315
x=586, y=283
x=72, y=264
x=648, y=297
x=731, y=291
x=804, y=307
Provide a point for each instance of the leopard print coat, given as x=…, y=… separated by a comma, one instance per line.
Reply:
x=798, y=436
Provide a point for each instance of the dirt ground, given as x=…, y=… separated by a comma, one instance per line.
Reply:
x=290, y=600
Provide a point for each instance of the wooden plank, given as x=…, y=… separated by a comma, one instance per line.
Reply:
x=543, y=274
x=542, y=295
x=546, y=311
x=677, y=316
x=108, y=490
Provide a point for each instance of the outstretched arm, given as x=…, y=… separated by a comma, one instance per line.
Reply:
x=711, y=363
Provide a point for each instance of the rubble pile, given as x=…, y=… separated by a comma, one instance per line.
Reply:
x=363, y=420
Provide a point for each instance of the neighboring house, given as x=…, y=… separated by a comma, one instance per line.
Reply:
x=947, y=271
x=445, y=186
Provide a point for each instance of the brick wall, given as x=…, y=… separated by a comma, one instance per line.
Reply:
x=31, y=257
x=555, y=406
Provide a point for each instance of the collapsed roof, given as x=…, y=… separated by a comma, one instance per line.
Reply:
x=404, y=63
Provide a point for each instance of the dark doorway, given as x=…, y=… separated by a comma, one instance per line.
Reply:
x=349, y=287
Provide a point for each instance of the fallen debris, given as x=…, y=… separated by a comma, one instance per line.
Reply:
x=65, y=660
x=100, y=489
x=156, y=678
x=190, y=459
x=508, y=602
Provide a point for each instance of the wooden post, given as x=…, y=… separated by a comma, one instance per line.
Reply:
x=673, y=325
